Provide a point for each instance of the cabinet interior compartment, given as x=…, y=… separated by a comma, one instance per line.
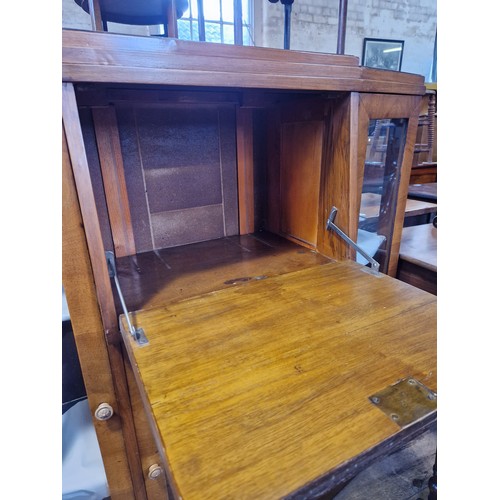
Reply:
x=207, y=185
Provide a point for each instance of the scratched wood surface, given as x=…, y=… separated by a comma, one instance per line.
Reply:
x=259, y=389
x=152, y=279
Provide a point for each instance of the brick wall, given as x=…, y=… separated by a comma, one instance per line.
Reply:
x=314, y=27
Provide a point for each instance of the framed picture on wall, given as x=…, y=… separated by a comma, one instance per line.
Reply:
x=383, y=54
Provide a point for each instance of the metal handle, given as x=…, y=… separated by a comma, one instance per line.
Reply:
x=332, y=227
x=137, y=333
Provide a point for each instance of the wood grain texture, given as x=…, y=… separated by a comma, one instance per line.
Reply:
x=339, y=177
x=156, y=489
x=151, y=279
x=422, y=174
x=244, y=147
x=104, y=57
x=263, y=388
x=301, y=148
x=76, y=149
x=89, y=336
x=113, y=176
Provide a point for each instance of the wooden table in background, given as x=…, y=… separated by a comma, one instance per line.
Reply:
x=424, y=192
x=418, y=257
x=370, y=207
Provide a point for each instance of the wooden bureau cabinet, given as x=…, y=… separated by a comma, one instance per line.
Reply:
x=209, y=173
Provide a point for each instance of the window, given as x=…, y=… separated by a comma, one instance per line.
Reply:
x=217, y=21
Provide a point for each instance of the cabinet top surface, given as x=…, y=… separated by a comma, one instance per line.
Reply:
x=262, y=388
x=110, y=58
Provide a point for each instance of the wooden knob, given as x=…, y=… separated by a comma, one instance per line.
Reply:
x=154, y=471
x=104, y=411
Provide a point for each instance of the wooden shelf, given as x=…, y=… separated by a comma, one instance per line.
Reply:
x=153, y=279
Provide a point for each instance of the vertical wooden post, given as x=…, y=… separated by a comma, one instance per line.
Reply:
x=96, y=15
x=172, y=20
x=87, y=328
x=113, y=176
x=244, y=144
x=84, y=195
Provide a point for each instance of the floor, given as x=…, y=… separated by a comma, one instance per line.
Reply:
x=404, y=475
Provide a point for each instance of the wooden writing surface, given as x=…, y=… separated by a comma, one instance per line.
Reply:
x=260, y=389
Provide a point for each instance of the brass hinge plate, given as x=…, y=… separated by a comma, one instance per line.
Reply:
x=406, y=401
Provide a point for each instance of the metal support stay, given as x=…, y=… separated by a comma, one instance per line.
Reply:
x=332, y=227
x=137, y=333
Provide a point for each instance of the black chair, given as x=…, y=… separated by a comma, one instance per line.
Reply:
x=136, y=12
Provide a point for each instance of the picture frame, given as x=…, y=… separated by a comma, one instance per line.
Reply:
x=382, y=53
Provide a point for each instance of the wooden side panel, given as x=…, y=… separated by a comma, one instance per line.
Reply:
x=108, y=143
x=300, y=175
x=85, y=200
x=339, y=177
x=89, y=336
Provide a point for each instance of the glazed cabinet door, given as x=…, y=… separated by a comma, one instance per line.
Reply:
x=387, y=128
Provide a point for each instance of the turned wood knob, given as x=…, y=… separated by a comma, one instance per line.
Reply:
x=104, y=411
x=154, y=471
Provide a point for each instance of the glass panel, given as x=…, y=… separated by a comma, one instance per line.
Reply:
x=194, y=27
x=245, y=9
x=184, y=29
x=211, y=10
x=228, y=32
x=228, y=11
x=193, y=6
x=213, y=32
x=247, y=36
x=384, y=154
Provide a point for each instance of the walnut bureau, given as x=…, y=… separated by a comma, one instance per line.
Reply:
x=272, y=363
